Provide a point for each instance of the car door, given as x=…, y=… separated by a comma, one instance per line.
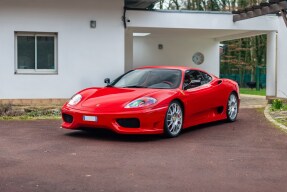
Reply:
x=199, y=95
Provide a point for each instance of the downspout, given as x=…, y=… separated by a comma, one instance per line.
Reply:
x=276, y=66
x=124, y=17
x=283, y=13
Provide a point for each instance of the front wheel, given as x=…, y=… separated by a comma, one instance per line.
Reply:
x=173, y=119
x=232, y=107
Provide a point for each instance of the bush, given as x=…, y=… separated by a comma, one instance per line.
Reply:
x=5, y=109
x=277, y=104
x=37, y=112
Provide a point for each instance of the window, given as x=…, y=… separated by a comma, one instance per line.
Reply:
x=195, y=78
x=36, y=52
x=151, y=78
x=206, y=78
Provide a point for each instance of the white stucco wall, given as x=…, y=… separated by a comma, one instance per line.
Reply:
x=85, y=56
x=199, y=20
x=281, y=60
x=176, y=52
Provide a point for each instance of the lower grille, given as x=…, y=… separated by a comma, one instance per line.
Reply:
x=67, y=118
x=129, y=122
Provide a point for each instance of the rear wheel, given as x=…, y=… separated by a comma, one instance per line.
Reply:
x=173, y=119
x=232, y=107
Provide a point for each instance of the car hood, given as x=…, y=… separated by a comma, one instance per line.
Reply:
x=115, y=99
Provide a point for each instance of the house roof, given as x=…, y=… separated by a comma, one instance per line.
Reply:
x=139, y=4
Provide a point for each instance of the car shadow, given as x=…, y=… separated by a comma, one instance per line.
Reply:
x=204, y=126
x=105, y=134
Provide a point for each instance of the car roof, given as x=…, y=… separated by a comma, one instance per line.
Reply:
x=182, y=68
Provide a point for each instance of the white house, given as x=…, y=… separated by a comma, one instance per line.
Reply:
x=52, y=49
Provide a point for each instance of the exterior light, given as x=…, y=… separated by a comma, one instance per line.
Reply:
x=93, y=24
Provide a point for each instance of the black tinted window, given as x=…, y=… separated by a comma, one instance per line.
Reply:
x=206, y=78
x=194, y=78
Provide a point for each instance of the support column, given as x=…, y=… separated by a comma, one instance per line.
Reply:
x=281, y=87
x=271, y=63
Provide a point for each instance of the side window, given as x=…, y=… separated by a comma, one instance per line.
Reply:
x=192, y=79
x=205, y=78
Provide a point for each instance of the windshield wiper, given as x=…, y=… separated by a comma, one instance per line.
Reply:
x=109, y=86
x=134, y=86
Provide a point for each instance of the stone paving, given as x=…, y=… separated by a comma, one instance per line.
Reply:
x=252, y=101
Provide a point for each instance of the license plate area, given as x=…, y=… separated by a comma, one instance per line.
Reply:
x=90, y=118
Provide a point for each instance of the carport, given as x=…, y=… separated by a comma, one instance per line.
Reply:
x=173, y=37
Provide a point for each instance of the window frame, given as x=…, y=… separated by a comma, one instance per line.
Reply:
x=35, y=35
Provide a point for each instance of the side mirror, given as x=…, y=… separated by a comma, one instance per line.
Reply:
x=107, y=80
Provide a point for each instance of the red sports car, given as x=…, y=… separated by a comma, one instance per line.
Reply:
x=154, y=100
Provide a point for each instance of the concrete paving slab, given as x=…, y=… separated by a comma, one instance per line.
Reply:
x=252, y=101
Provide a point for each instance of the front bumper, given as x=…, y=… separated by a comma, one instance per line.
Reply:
x=151, y=120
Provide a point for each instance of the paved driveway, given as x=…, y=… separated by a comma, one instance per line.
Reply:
x=248, y=155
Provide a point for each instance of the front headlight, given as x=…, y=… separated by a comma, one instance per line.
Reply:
x=141, y=102
x=75, y=99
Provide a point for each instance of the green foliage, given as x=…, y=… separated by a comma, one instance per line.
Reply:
x=278, y=111
x=205, y=5
x=38, y=112
x=277, y=104
x=245, y=57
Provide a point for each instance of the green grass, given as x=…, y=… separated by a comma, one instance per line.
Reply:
x=249, y=91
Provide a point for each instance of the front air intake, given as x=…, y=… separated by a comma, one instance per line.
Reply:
x=129, y=122
x=67, y=118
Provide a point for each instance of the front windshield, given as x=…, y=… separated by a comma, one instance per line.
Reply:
x=149, y=78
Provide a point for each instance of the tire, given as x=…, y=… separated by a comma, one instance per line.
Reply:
x=173, y=119
x=232, y=107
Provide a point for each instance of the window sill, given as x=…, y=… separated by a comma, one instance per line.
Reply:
x=36, y=72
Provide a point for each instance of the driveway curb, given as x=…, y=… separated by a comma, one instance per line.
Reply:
x=268, y=116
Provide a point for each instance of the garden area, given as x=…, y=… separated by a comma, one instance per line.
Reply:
x=278, y=111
